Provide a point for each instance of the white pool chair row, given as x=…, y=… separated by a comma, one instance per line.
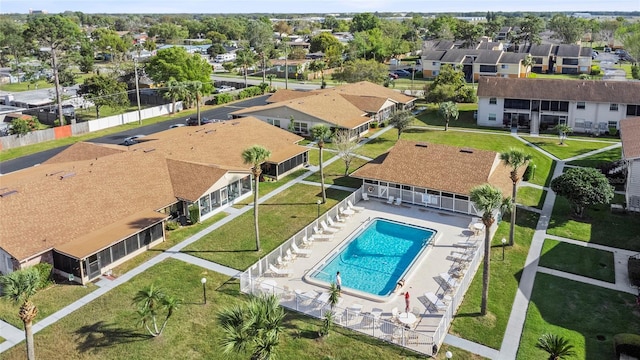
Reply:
x=448, y=281
x=394, y=201
x=334, y=224
x=353, y=207
x=300, y=252
x=435, y=302
x=279, y=272
x=326, y=229
x=346, y=212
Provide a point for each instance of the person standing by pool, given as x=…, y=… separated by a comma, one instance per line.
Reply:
x=339, y=283
x=406, y=302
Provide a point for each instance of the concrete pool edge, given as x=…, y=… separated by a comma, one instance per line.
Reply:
x=408, y=274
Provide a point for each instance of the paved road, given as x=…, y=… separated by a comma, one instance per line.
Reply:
x=117, y=138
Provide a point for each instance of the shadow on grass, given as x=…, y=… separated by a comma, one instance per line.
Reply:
x=101, y=334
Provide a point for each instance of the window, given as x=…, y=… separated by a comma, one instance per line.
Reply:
x=633, y=110
x=613, y=124
x=504, y=66
x=613, y=107
x=274, y=122
x=493, y=101
x=492, y=117
x=569, y=61
x=488, y=68
x=581, y=105
x=579, y=125
x=517, y=104
x=300, y=127
x=435, y=63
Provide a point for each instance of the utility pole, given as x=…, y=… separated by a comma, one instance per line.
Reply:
x=135, y=66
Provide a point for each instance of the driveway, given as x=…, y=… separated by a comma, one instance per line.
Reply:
x=608, y=63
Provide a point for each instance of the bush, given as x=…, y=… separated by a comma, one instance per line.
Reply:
x=22, y=126
x=627, y=344
x=223, y=99
x=635, y=72
x=467, y=94
x=44, y=270
x=528, y=173
x=584, y=77
x=533, y=76
x=251, y=91
x=373, y=125
x=194, y=214
x=595, y=70
x=172, y=225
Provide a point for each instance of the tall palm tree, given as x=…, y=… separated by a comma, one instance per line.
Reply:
x=563, y=131
x=401, y=121
x=195, y=89
x=448, y=110
x=284, y=45
x=255, y=156
x=20, y=286
x=319, y=65
x=245, y=58
x=487, y=199
x=321, y=132
x=528, y=63
x=175, y=91
x=151, y=301
x=515, y=159
x=557, y=346
x=255, y=327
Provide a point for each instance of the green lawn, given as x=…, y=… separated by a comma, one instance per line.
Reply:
x=381, y=144
x=505, y=275
x=314, y=156
x=570, y=148
x=266, y=187
x=581, y=313
x=599, y=158
x=172, y=238
x=25, y=85
x=90, y=113
x=48, y=301
x=233, y=244
x=334, y=173
x=579, y=260
x=465, y=119
x=599, y=226
x=531, y=196
x=107, y=328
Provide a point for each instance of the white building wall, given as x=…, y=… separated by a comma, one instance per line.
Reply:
x=6, y=265
x=633, y=185
x=487, y=110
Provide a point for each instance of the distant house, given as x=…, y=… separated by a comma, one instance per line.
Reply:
x=630, y=135
x=560, y=59
x=588, y=106
x=433, y=175
x=93, y=206
x=474, y=63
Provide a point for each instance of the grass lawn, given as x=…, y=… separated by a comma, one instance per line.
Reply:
x=233, y=244
x=599, y=159
x=48, y=301
x=107, y=328
x=266, y=187
x=599, y=226
x=465, y=119
x=25, y=85
x=172, y=238
x=531, y=196
x=560, y=306
x=378, y=146
x=579, y=260
x=90, y=113
x=505, y=275
x=570, y=148
x=314, y=156
x=334, y=173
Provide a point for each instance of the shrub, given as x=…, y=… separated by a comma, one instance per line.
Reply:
x=635, y=72
x=44, y=270
x=22, y=126
x=467, y=94
x=528, y=173
x=194, y=214
x=533, y=76
x=223, y=99
x=628, y=344
x=595, y=70
x=373, y=125
x=172, y=225
x=584, y=77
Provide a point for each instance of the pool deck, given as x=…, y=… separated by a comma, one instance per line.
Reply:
x=423, y=277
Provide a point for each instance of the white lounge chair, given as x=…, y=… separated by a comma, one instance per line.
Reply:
x=435, y=302
x=346, y=212
x=398, y=201
x=324, y=237
x=280, y=272
x=290, y=256
x=335, y=224
x=281, y=263
x=466, y=244
x=355, y=208
x=326, y=229
x=340, y=219
x=459, y=257
x=390, y=200
x=298, y=251
x=307, y=242
x=365, y=197
x=316, y=230
x=448, y=280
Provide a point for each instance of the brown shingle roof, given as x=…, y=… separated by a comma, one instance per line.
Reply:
x=436, y=166
x=630, y=134
x=85, y=151
x=619, y=92
x=365, y=88
x=370, y=104
x=286, y=95
x=191, y=180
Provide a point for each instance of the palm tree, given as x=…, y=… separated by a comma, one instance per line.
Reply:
x=557, y=346
x=20, y=286
x=319, y=65
x=321, y=132
x=195, y=89
x=487, y=199
x=175, y=91
x=255, y=327
x=515, y=159
x=528, y=63
x=401, y=120
x=151, y=301
x=448, y=110
x=255, y=156
x=563, y=131
x=285, y=49
x=271, y=77
x=245, y=58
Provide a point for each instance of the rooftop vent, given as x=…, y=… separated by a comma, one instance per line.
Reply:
x=67, y=175
x=466, y=150
x=149, y=150
x=7, y=193
x=422, y=144
x=55, y=173
x=210, y=131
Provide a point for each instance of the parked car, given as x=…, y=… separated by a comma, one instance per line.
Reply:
x=607, y=49
x=393, y=75
x=177, y=125
x=131, y=140
x=193, y=121
x=224, y=89
x=402, y=73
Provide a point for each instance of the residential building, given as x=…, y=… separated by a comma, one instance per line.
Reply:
x=474, y=63
x=630, y=135
x=433, y=175
x=352, y=107
x=93, y=206
x=587, y=106
x=560, y=59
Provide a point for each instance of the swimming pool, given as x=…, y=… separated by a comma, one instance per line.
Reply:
x=376, y=257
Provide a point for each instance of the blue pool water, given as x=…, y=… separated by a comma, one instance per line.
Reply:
x=377, y=257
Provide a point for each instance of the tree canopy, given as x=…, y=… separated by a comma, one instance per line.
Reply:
x=363, y=22
x=175, y=62
x=104, y=90
x=361, y=70
x=583, y=187
x=323, y=41
x=567, y=29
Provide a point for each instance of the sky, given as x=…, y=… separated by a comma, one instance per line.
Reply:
x=311, y=6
